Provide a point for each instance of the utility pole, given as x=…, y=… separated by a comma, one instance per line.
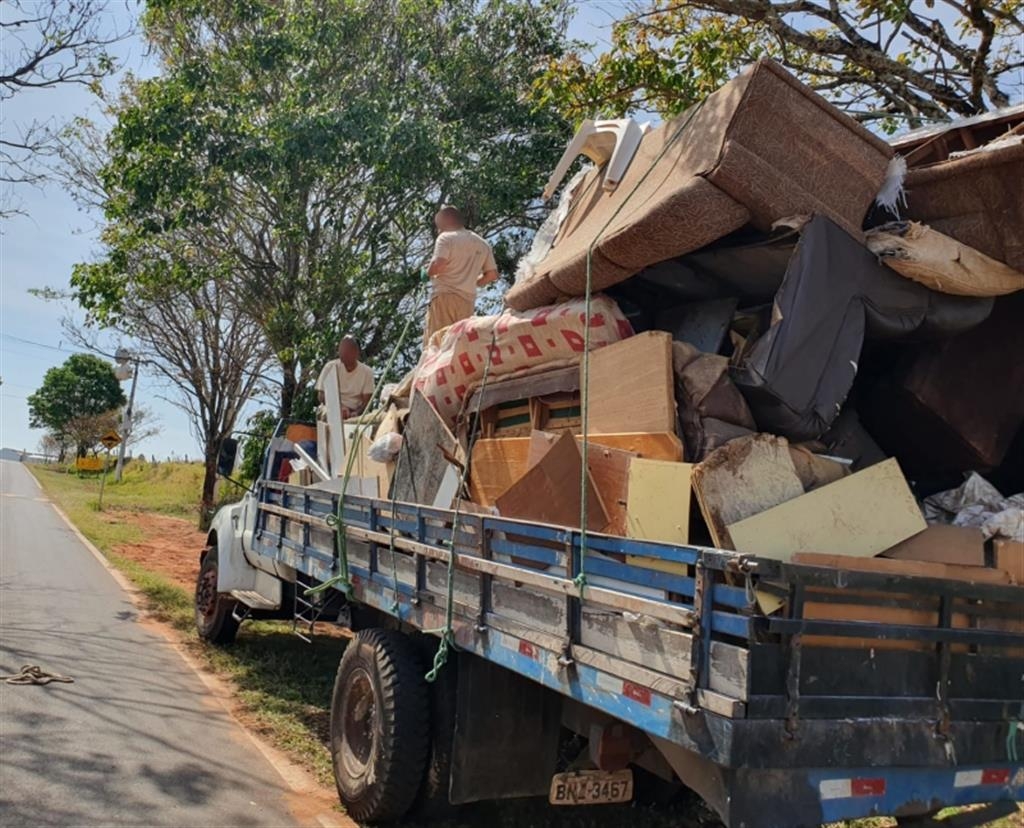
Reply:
x=125, y=359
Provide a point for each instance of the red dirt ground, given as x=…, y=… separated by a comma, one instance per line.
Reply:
x=171, y=546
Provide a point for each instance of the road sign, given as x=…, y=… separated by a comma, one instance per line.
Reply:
x=110, y=439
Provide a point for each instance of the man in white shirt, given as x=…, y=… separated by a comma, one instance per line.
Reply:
x=355, y=380
x=462, y=262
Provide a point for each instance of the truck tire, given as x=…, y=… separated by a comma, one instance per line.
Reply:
x=380, y=726
x=215, y=619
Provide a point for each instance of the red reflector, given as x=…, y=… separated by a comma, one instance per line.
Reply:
x=995, y=776
x=526, y=649
x=867, y=787
x=636, y=693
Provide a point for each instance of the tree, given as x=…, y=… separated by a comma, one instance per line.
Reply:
x=891, y=62
x=302, y=147
x=84, y=386
x=47, y=43
x=196, y=341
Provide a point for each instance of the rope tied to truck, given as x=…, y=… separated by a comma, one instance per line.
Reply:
x=580, y=581
x=342, y=581
x=447, y=632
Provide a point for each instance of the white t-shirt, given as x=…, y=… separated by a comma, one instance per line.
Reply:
x=352, y=385
x=467, y=256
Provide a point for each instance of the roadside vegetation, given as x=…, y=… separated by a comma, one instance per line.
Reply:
x=283, y=685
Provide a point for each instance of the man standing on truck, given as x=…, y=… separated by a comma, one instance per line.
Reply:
x=462, y=262
x=355, y=380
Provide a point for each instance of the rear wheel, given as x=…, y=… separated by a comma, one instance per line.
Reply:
x=380, y=732
x=215, y=619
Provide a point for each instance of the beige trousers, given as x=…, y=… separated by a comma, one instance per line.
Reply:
x=445, y=309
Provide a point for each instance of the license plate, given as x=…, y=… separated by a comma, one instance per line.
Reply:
x=591, y=787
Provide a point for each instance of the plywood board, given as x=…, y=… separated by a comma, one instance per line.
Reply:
x=550, y=491
x=658, y=501
x=942, y=543
x=652, y=446
x=609, y=470
x=449, y=487
x=499, y=462
x=421, y=463
x=1008, y=556
x=496, y=464
x=540, y=444
x=862, y=515
x=742, y=478
x=630, y=387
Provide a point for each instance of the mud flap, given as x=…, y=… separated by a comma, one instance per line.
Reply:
x=506, y=734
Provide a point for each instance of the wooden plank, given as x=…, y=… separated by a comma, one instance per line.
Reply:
x=631, y=386
x=523, y=387
x=919, y=569
x=609, y=470
x=421, y=465
x=595, y=595
x=335, y=431
x=496, y=464
x=654, y=646
x=530, y=607
x=550, y=491
x=499, y=462
x=658, y=501
x=743, y=478
x=942, y=543
x=863, y=514
x=1008, y=556
x=728, y=670
x=652, y=446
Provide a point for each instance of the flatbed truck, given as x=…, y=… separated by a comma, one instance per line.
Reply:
x=663, y=663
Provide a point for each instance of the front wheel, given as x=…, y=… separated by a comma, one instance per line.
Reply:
x=380, y=733
x=215, y=613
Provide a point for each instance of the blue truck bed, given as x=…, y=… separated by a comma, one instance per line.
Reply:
x=800, y=716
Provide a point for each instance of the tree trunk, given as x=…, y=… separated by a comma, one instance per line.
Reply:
x=289, y=386
x=212, y=449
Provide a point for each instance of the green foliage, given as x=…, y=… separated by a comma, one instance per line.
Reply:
x=299, y=150
x=84, y=387
x=259, y=429
x=890, y=62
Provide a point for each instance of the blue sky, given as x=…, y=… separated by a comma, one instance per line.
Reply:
x=40, y=248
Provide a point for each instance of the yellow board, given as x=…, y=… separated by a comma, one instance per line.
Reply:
x=862, y=515
x=658, y=501
x=89, y=464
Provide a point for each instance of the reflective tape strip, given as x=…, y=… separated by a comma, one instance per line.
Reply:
x=851, y=788
x=988, y=776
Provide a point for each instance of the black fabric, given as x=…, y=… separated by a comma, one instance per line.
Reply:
x=834, y=294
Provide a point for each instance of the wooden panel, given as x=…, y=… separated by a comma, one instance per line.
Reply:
x=496, y=465
x=728, y=670
x=532, y=607
x=942, y=543
x=500, y=462
x=654, y=646
x=863, y=514
x=550, y=491
x=919, y=569
x=658, y=502
x=466, y=585
x=1008, y=555
x=745, y=477
x=421, y=465
x=609, y=470
x=631, y=386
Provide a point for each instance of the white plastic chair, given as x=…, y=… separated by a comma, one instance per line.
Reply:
x=604, y=142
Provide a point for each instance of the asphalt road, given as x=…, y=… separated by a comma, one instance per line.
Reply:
x=136, y=740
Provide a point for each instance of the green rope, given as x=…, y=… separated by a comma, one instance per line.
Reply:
x=447, y=632
x=342, y=580
x=580, y=581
